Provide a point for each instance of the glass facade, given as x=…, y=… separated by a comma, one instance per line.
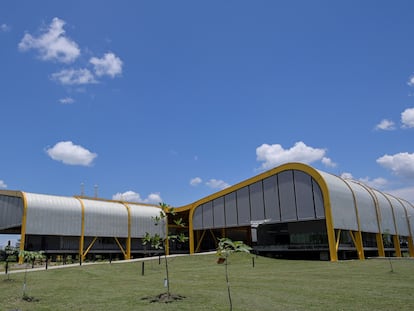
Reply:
x=285, y=197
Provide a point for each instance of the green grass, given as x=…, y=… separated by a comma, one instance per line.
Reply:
x=271, y=285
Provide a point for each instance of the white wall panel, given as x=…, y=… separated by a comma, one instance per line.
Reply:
x=105, y=219
x=399, y=216
x=386, y=214
x=366, y=208
x=342, y=203
x=53, y=215
x=142, y=221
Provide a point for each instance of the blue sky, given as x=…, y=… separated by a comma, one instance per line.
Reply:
x=173, y=100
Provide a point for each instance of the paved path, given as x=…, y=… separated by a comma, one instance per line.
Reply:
x=22, y=268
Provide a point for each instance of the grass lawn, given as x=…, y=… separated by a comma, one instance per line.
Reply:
x=272, y=284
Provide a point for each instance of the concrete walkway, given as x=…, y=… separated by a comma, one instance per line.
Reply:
x=22, y=268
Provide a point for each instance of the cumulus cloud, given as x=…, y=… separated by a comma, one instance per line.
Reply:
x=328, y=162
x=66, y=100
x=196, y=181
x=74, y=77
x=217, y=184
x=376, y=183
x=406, y=193
x=274, y=155
x=347, y=176
x=407, y=117
x=411, y=81
x=4, y=28
x=52, y=44
x=71, y=154
x=401, y=164
x=109, y=65
x=385, y=125
x=2, y=185
x=131, y=196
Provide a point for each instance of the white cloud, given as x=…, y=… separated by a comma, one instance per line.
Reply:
x=4, y=28
x=347, y=176
x=328, y=162
x=153, y=198
x=68, y=153
x=376, y=183
x=196, y=181
x=407, y=117
x=411, y=81
x=406, y=193
x=274, y=155
x=385, y=125
x=66, y=100
x=74, y=76
x=52, y=44
x=109, y=65
x=401, y=164
x=2, y=185
x=217, y=184
x=131, y=196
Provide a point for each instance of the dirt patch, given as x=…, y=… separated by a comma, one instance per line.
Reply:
x=30, y=298
x=164, y=298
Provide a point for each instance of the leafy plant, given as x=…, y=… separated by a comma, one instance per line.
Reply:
x=29, y=257
x=225, y=248
x=160, y=241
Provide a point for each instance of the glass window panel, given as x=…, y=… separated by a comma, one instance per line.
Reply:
x=218, y=207
x=208, y=217
x=318, y=199
x=287, y=196
x=271, y=198
x=243, y=206
x=198, y=218
x=304, y=196
x=231, y=209
x=256, y=201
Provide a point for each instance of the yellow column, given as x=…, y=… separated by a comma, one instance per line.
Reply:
x=128, y=241
x=191, y=231
x=23, y=230
x=82, y=236
x=396, y=240
x=380, y=245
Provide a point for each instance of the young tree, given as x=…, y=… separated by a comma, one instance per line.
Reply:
x=29, y=257
x=225, y=248
x=161, y=241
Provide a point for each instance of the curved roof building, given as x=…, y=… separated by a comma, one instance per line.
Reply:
x=290, y=211
x=77, y=225
x=297, y=211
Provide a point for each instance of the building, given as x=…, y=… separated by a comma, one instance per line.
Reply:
x=291, y=211
x=296, y=211
x=77, y=226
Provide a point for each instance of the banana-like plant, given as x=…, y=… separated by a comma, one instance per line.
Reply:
x=225, y=248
